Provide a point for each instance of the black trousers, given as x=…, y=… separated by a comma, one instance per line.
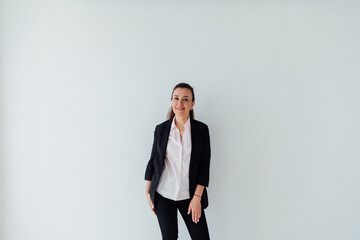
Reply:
x=166, y=212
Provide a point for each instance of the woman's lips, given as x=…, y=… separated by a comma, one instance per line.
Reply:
x=180, y=109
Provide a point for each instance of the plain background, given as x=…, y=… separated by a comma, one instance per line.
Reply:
x=84, y=83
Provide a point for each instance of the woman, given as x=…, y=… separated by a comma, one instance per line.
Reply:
x=177, y=173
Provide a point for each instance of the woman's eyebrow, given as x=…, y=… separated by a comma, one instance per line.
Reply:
x=184, y=96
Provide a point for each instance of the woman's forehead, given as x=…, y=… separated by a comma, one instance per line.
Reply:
x=184, y=92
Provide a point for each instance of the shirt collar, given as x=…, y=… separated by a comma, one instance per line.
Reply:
x=186, y=125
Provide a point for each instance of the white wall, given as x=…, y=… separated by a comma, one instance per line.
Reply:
x=85, y=82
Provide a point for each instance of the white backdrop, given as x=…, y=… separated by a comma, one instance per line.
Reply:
x=85, y=82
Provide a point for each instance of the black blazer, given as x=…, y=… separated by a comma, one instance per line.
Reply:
x=199, y=158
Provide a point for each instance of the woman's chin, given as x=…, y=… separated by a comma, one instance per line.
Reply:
x=181, y=114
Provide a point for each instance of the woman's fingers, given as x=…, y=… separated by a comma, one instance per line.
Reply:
x=196, y=214
x=153, y=211
x=152, y=207
x=195, y=211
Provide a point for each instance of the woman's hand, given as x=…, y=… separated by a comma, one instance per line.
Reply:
x=151, y=204
x=195, y=209
x=147, y=194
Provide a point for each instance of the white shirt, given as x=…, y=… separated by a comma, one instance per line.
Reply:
x=174, y=180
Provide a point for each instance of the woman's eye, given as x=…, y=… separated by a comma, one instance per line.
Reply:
x=182, y=99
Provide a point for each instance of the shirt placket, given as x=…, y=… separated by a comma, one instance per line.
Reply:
x=180, y=163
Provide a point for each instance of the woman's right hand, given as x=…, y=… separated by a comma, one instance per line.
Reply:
x=151, y=204
x=147, y=194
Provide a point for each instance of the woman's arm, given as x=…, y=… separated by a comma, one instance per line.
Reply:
x=150, y=166
x=199, y=190
x=202, y=178
x=149, y=172
x=195, y=204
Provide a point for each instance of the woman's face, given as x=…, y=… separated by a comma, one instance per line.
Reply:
x=182, y=102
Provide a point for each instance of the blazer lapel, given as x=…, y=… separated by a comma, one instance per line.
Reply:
x=194, y=141
x=165, y=132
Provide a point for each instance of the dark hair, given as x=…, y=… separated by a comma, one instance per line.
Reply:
x=171, y=113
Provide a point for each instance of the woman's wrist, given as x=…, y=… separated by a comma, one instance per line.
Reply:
x=197, y=195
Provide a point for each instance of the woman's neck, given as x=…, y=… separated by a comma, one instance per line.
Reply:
x=180, y=122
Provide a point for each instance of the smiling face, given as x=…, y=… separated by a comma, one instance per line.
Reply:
x=181, y=102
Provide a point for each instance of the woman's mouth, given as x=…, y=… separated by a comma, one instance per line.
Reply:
x=180, y=109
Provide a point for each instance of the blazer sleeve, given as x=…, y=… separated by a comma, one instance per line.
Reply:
x=204, y=170
x=150, y=166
